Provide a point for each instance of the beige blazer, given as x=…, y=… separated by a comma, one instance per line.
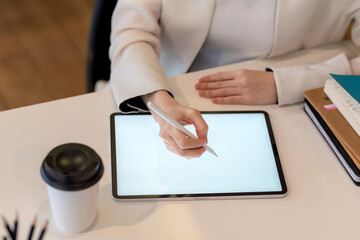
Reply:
x=152, y=40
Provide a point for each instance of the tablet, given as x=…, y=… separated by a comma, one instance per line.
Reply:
x=247, y=166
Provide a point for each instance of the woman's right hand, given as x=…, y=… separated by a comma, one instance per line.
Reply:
x=175, y=140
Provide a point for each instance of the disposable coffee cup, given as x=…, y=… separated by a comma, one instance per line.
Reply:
x=72, y=173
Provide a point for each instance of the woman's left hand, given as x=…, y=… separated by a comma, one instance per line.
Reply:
x=239, y=87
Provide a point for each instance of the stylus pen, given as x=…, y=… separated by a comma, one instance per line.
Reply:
x=177, y=125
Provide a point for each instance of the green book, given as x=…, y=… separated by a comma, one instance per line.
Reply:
x=351, y=83
x=344, y=92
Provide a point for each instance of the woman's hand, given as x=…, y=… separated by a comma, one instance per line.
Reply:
x=175, y=140
x=239, y=87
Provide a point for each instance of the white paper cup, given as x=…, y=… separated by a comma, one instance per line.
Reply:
x=72, y=173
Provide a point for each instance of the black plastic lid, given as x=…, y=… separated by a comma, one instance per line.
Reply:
x=72, y=167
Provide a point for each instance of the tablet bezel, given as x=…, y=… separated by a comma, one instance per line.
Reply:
x=271, y=194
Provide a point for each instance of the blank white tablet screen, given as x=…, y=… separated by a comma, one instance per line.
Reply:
x=245, y=161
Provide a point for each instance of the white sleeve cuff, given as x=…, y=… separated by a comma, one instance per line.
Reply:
x=291, y=82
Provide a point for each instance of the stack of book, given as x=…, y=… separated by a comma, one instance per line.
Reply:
x=335, y=110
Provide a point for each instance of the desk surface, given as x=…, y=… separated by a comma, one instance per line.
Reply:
x=322, y=202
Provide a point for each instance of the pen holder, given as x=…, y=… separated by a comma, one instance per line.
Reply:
x=72, y=173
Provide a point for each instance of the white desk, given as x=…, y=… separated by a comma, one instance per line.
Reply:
x=322, y=202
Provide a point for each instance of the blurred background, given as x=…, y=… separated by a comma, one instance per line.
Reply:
x=43, y=46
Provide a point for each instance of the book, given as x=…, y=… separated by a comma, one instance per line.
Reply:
x=341, y=137
x=351, y=83
x=344, y=92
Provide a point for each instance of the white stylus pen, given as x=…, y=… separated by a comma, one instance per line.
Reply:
x=177, y=125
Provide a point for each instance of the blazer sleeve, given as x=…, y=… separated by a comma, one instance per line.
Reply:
x=135, y=52
x=292, y=81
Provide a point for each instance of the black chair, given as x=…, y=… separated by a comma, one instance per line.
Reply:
x=98, y=62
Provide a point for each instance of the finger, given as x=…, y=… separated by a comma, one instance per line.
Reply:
x=239, y=99
x=222, y=92
x=169, y=147
x=218, y=76
x=187, y=153
x=200, y=125
x=215, y=84
x=184, y=142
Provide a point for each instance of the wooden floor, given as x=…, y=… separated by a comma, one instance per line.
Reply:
x=43, y=47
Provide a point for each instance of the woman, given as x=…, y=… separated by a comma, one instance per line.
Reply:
x=152, y=40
